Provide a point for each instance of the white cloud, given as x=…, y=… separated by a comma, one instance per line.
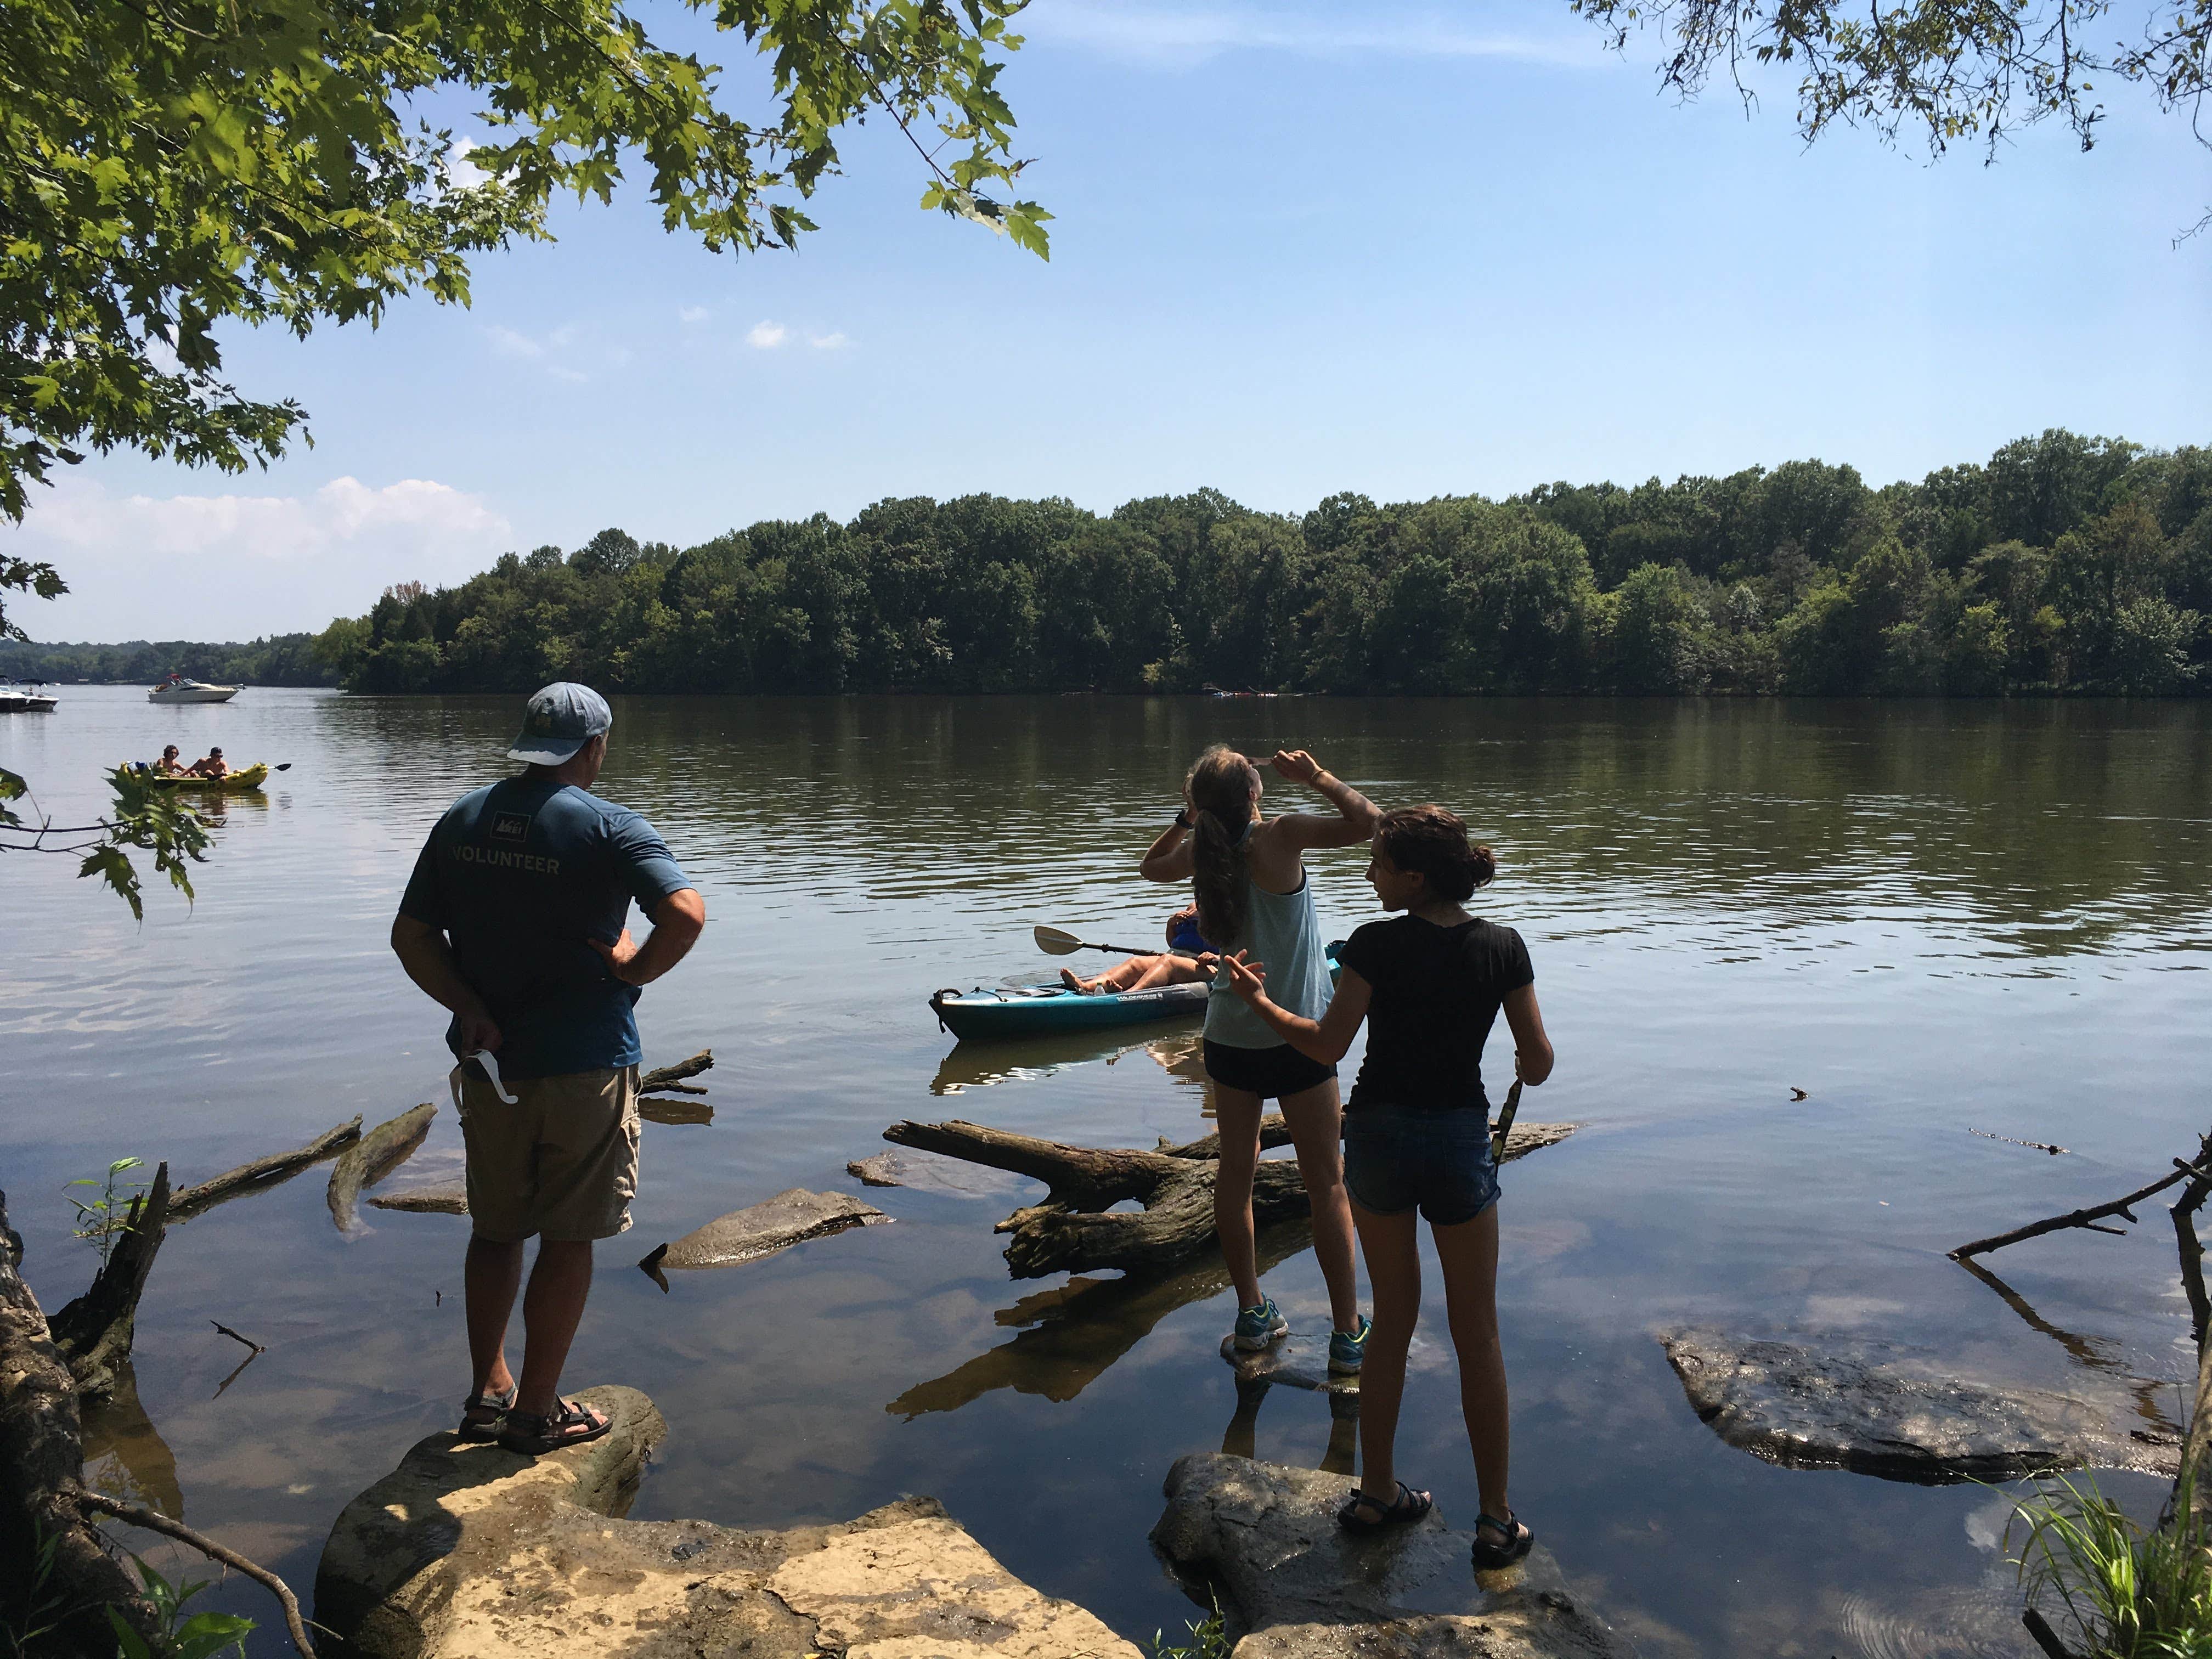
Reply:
x=1180, y=38
x=510, y=343
x=766, y=335
x=695, y=314
x=828, y=342
x=574, y=376
x=460, y=173
x=235, y=566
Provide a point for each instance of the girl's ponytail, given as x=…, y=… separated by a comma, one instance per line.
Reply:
x=1222, y=786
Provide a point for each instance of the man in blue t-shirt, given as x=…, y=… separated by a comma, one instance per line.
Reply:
x=514, y=920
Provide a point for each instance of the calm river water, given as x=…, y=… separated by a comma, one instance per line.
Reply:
x=1929, y=918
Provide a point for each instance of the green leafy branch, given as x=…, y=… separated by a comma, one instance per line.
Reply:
x=145, y=819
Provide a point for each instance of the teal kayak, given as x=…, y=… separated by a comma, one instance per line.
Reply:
x=1036, y=1010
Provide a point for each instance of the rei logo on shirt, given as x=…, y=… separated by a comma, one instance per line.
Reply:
x=511, y=826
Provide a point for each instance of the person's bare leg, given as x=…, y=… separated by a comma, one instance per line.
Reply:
x=1394, y=1276
x=1317, y=1123
x=1238, y=1114
x=490, y=1275
x=1468, y=1253
x=1166, y=970
x=552, y=1308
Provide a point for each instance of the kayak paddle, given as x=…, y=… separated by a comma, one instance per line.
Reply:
x=1053, y=942
x=286, y=766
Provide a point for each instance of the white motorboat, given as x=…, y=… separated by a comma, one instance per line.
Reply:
x=18, y=697
x=178, y=689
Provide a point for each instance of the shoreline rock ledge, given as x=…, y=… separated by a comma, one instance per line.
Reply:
x=1300, y=1587
x=468, y=1551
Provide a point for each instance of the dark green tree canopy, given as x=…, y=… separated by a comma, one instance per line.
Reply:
x=2065, y=564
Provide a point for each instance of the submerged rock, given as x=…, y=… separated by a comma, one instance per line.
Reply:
x=468, y=1551
x=932, y=1174
x=1295, y=1362
x=1300, y=1587
x=790, y=1218
x=1878, y=1408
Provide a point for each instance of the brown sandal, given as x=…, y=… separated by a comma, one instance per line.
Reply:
x=497, y=1402
x=567, y=1425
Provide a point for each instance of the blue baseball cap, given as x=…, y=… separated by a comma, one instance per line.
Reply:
x=560, y=718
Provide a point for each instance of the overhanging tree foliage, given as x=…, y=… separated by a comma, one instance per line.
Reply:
x=168, y=168
x=1953, y=71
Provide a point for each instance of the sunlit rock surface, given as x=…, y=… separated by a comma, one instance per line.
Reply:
x=467, y=1552
x=1298, y=1586
x=1879, y=1408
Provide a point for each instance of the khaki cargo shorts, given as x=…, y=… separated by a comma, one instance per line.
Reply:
x=561, y=1162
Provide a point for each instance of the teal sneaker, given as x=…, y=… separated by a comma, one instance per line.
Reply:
x=1257, y=1326
x=1348, y=1349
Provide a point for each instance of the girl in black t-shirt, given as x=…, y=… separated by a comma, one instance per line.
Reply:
x=1429, y=984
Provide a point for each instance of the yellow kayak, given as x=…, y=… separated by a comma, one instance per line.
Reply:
x=243, y=778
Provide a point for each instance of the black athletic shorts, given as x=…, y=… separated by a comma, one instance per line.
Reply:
x=1270, y=1073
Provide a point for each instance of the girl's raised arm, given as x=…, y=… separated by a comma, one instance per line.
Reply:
x=1168, y=859
x=1356, y=816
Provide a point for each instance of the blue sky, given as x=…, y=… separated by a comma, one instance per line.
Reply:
x=1299, y=249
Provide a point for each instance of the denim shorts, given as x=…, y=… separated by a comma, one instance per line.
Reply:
x=1396, y=1159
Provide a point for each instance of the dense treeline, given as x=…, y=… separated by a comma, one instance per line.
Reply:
x=2063, y=564
x=278, y=659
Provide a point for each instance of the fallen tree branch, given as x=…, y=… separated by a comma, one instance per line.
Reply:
x=2045, y=1638
x=188, y=1201
x=371, y=1158
x=138, y=1515
x=236, y=1336
x=663, y=1077
x=2088, y=1218
x=1072, y=1230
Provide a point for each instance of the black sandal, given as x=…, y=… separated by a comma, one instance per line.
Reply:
x=567, y=1425
x=1408, y=1507
x=1518, y=1541
x=486, y=1428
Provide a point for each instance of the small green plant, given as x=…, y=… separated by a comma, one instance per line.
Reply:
x=41, y=1607
x=200, y=1635
x=102, y=1219
x=1209, y=1639
x=2130, y=1593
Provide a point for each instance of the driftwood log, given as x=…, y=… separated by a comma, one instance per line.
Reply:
x=262, y=1173
x=41, y=1472
x=670, y=1078
x=1070, y=1230
x=371, y=1158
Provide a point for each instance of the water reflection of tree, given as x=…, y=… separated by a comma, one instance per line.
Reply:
x=1077, y=1331
x=124, y=1454
x=2097, y=1353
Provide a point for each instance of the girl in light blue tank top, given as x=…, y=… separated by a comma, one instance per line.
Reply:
x=1247, y=874
x=1284, y=931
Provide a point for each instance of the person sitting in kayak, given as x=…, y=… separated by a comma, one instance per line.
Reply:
x=169, y=766
x=1178, y=965
x=213, y=766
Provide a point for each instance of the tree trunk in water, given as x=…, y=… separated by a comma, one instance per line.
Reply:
x=1070, y=1232
x=41, y=1467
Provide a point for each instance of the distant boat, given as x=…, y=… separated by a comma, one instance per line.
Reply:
x=25, y=698
x=178, y=689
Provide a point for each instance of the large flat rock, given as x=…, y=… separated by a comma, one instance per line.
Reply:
x=1300, y=1587
x=792, y=1216
x=467, y=1552
x=1879, y=1408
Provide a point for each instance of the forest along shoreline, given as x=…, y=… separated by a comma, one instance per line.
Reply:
x=2062, y=564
